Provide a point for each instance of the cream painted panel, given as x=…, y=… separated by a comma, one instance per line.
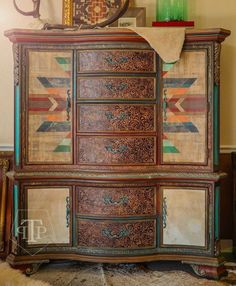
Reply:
x=186, y=217
x=47, y=216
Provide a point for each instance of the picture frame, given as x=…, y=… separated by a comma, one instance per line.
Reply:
x=133, y=17
x=91, y=14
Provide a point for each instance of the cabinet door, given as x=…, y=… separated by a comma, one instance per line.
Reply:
x=49, y=105
x=184, y=116
x=184, y=217
x=48, y=216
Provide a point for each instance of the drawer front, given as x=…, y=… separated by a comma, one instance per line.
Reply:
x=116, y=61
x=112, y=150
x=112, y=117
x=122, y=234
x=117, y=88
x=122, y=201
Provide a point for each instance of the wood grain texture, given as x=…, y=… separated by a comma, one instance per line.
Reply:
x=131, y=150
x=111, y=234
x=115, y=117
x=123, y=201
x=116, y=61
x=116, y=88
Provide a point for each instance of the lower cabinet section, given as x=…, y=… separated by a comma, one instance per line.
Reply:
x=115, y=219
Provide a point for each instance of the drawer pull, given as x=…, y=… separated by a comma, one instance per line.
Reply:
x=113, y=88
x=121, y=116
x=165, y=105
x=109, y=234
x=109, y=201
x=122, y=149
x=68, y=105
x=113, y=62
x=164, y=212
x=67, y=212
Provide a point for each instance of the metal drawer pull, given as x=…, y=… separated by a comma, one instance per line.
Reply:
x=67, y=212
x=121, y=116
x=111, y=61
x=121, y=234
x=165, y=105
x=122, y=149
x=120, y=87
x=109, y=201
x=164, y=212
x=68, y=105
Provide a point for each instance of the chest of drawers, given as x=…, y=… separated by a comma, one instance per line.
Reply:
x=116, y=152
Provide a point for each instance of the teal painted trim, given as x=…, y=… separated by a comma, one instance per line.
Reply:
x=216, y=148
x=17, y=125
x=217, y=212
x=15, y=210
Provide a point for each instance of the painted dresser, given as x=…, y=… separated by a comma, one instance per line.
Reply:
x=116, y=152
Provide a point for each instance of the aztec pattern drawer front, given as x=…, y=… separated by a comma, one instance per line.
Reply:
x=122, y=201
x=137, y=61
x=49, y=107
x=128, y=88
x=129, y=234
x=110, y=150
x=114, y=117
x=185, y=110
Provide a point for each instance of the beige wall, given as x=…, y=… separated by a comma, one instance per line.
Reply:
x=206, y=13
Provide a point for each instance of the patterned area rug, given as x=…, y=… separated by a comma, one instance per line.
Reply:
x=89, y=274
x=150, y=274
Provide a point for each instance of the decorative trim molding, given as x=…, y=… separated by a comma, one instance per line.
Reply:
x=7, y=147
x=225, y=149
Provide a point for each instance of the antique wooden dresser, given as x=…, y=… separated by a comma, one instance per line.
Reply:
x=116, y=152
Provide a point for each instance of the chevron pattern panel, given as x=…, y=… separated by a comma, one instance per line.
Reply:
x=185, y=109
x=49, y=92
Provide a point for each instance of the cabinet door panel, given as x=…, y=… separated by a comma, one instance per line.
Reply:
x=48, y=216
x=184, y=217
x=49, y=107
x=185, y=110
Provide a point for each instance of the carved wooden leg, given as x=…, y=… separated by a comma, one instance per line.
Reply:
x=32, y=268
x=210, y=272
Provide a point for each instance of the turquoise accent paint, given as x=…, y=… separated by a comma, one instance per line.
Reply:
x=216, y=125
x=17, y=125
x=15, y=210
x=217, y=214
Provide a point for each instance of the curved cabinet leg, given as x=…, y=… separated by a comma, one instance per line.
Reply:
x=210, y=272
x=32, y=268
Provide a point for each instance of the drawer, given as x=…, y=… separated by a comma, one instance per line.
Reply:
x=117, y=201
x=116, y=117
x=117, y=234
x=111, y=150
x=136, y=61
x=129, y=88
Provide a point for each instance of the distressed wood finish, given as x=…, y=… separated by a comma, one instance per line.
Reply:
x=113, y=171
x=123, y=201
x=114, y=117
x=111, y=234
x=116, y=88
x=116, y=61
x=113, y=150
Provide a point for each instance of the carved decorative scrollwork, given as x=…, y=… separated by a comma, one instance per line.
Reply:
x=217, y=49
x=16, y=64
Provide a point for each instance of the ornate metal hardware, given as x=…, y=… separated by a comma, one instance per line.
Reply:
x=164, y=212
x=34, y=12
x=68, y=105
x=165, y=105
x=109, y=234
x=109, y=201
x=120, y=87
x=121, y=116
x=113, y=62
x=67, y=212
x=122, y=149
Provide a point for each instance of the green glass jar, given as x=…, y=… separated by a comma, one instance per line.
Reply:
x=164, y=10
x=179, y=10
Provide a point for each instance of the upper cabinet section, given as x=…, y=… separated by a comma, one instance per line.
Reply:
x=104, y=100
